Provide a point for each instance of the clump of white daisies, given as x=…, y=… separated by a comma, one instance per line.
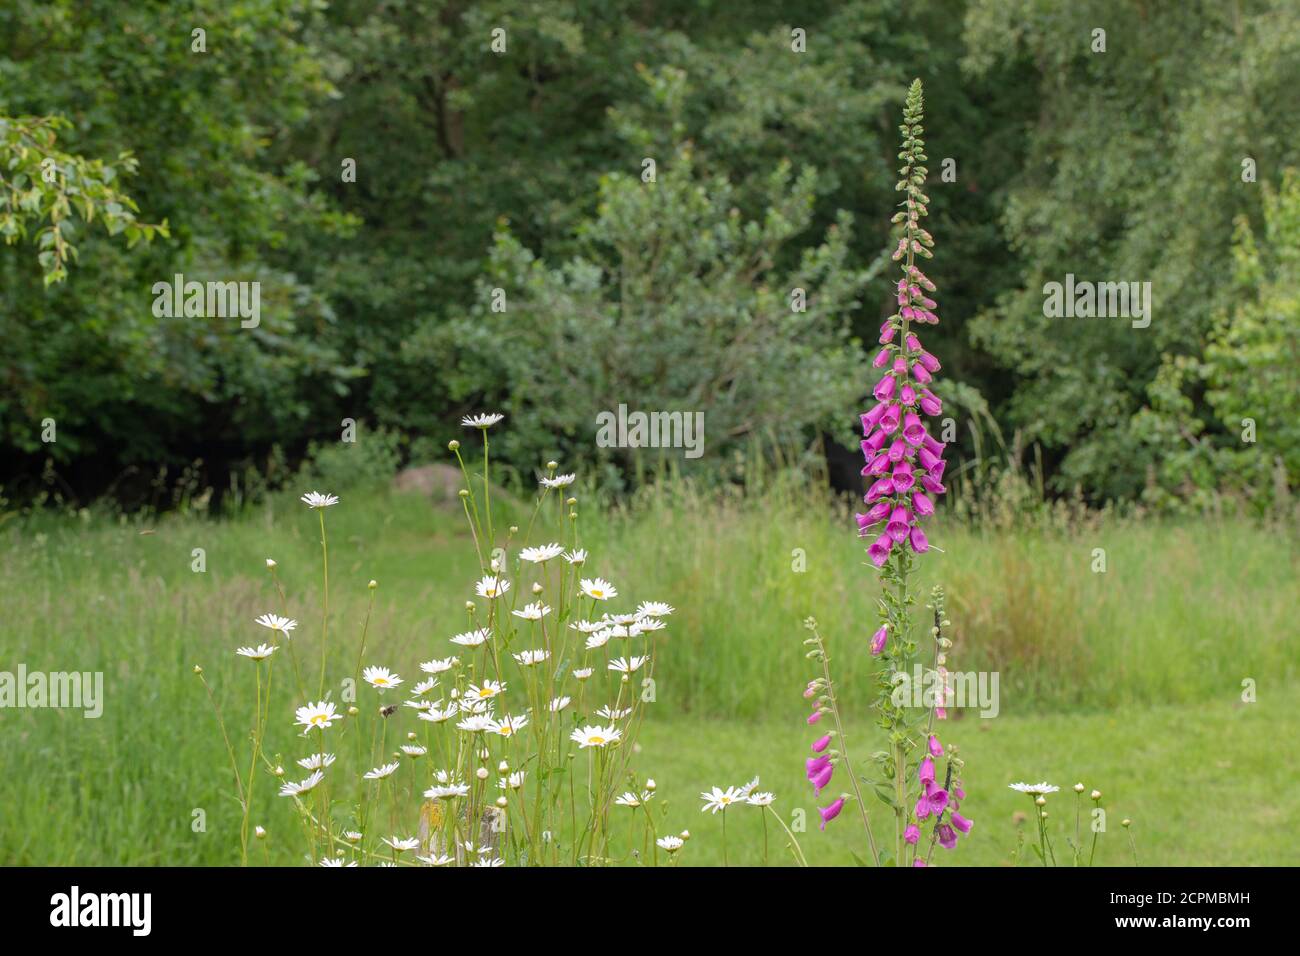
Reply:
x=1082, y=846
x=514, y=744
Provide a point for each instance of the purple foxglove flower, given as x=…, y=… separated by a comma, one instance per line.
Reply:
x=821, y=743
x=936, y=447
x=936, y=472
x=927, y=458
x=907, y=395
x=878, y=511
x=919, y=862
x=887, y=331
x=815, y=716
x=898, y=450
x=881, y=359
x=815, y=765
x=907, y=312
x=889, y=420
x=932, y=486
x=870, y=418
x=920, y=543
x=879, y=550
x=960, y=822
x=930, y=404
x=913, y=430
x=938, y=800
x=899, y=522
x=900, y=365
x=884, y=389
x=936, y=748
x=958, y=792
x=912, y=834
x=922, y=505
x=926, y=772
x=923, y=808
x=823, y=778
x=810, y=690
x=913, y=343
x=830, y=812
x=929, y=361
x=878, y=640
x=874, y=442
x=885, y=486
x=921, y=373
x=947, y=838
x=902, y=476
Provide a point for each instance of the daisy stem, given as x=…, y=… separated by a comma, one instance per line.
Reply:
x=487, y=491
x=325, y=613
x=724, y=836
x=239, y=783
x=252, y=771
x=794, y=844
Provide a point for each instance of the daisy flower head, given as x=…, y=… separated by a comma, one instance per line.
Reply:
x=379, y=773
x=316, y=761
x=654, y=609
x=423, y=687
x=489, y=862
x=646, y=624
x=482, y=420
x=446, y=787
x=259, y=653
x=486, y=691
x=440, y=665
x=598, y=589
x=582, y=673
x=293, y=789
x=559, y=703
x=314, y=499
x=437, y=714
x=508, y=726
x=748, y=788
x=599, y=639
x=380, y=678
x=597, y=736
x=542, y=553
x=402, y=843
x=629, y=666
x=469, y=639
x=763, y=799
x=588, y=627
x=434, y=859
x=1035, y=789
x=414, y=750
x=533, y=612
x=531, y=658
x=335, y=862
x=612, y=713
x=670, y=843
x=628, y=799
x=719, y=799
x=576, y=556
x=513, y=781
x=476, y=724
x=319, y=715
x=492, y=586
x=277, y=623
x=559, y=481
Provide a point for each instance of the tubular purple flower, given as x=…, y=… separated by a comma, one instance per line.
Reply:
x=938, y=800
x=947, y=838
x=913, y=430
x=887, y=331
x=830, y=812
x=881, y=359
x=815, y=765
x=878, y=640
x=919, y=862
x=884, y=389
x=889, y=420
x=902, y=476
x=898, y=450
x=820, y=781
x=932, y=486
x=960, y=822
x=936, y=748
x=879, y=550
x=926, y=772
x=912, y=834
x=922, y=505
x=899, y=522
x=927, y=458
x=907, y=395
x=821, y=743
x=930, y=404
x=919, y=542
x=929, y=361
x=885, y=486
x=869, y=418
x=921, y=373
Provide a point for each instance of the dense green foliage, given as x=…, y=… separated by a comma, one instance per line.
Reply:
x=522, y=169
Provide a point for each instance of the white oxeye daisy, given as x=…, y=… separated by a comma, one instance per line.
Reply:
x=381, y=677
x=492, y=587
x=440, y=665
x=423, y=687
x=476, y=724
x=763, y=799
x=436, y=714
x=316, y=761
x=559, y=481
x=293, y=789
x=402, y=843
x=629, y=666
x=352, y=836
x=532, y=658
x=533, y=612
x=314, y=499
x=612, y=713
x=598, y=589
x=559, y=703
x=654, y=609
x=512, y=782
x=577, y=556
x=748, y=788
x=588, y=627
x=508, y=726
x=720, y=799
x=486, y=420
x=486, y=691
x=319, y=715
x=542, y=553
x=379, y=773
x=599, y=639
x=277, y=623
x=582, y=673
x=446, y=787
x=471, y=638
x=494, y=861
x=418, y=703
x=335, y=862
x=628, y=799
x=671, y=843
x=624, y=620
x=259, y=653
x=595, y=736
x=1037, y=789
x=434, y=859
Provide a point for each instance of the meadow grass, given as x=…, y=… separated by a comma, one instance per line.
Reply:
x=1129, y=680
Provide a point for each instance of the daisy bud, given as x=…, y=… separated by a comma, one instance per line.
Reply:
x=410, y=735
x=481, y=773
x=278, y=771
x=571, y=502
x=198, y=669
x=684, y=835
x=373, y=584
x=537, y=588
x=503, y=768
x=650, y=784
x=453, y=445
x=1041, y=801
x=353, y=711
x=1044, y=814
x=552, y=465
x=270, y=563
x=464, y=493
x=1126, y=822
x=501, y=801
x=514, y=529
x=1078, y=788
x=469, y=606
x=259, y=832
x=1096, y=794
